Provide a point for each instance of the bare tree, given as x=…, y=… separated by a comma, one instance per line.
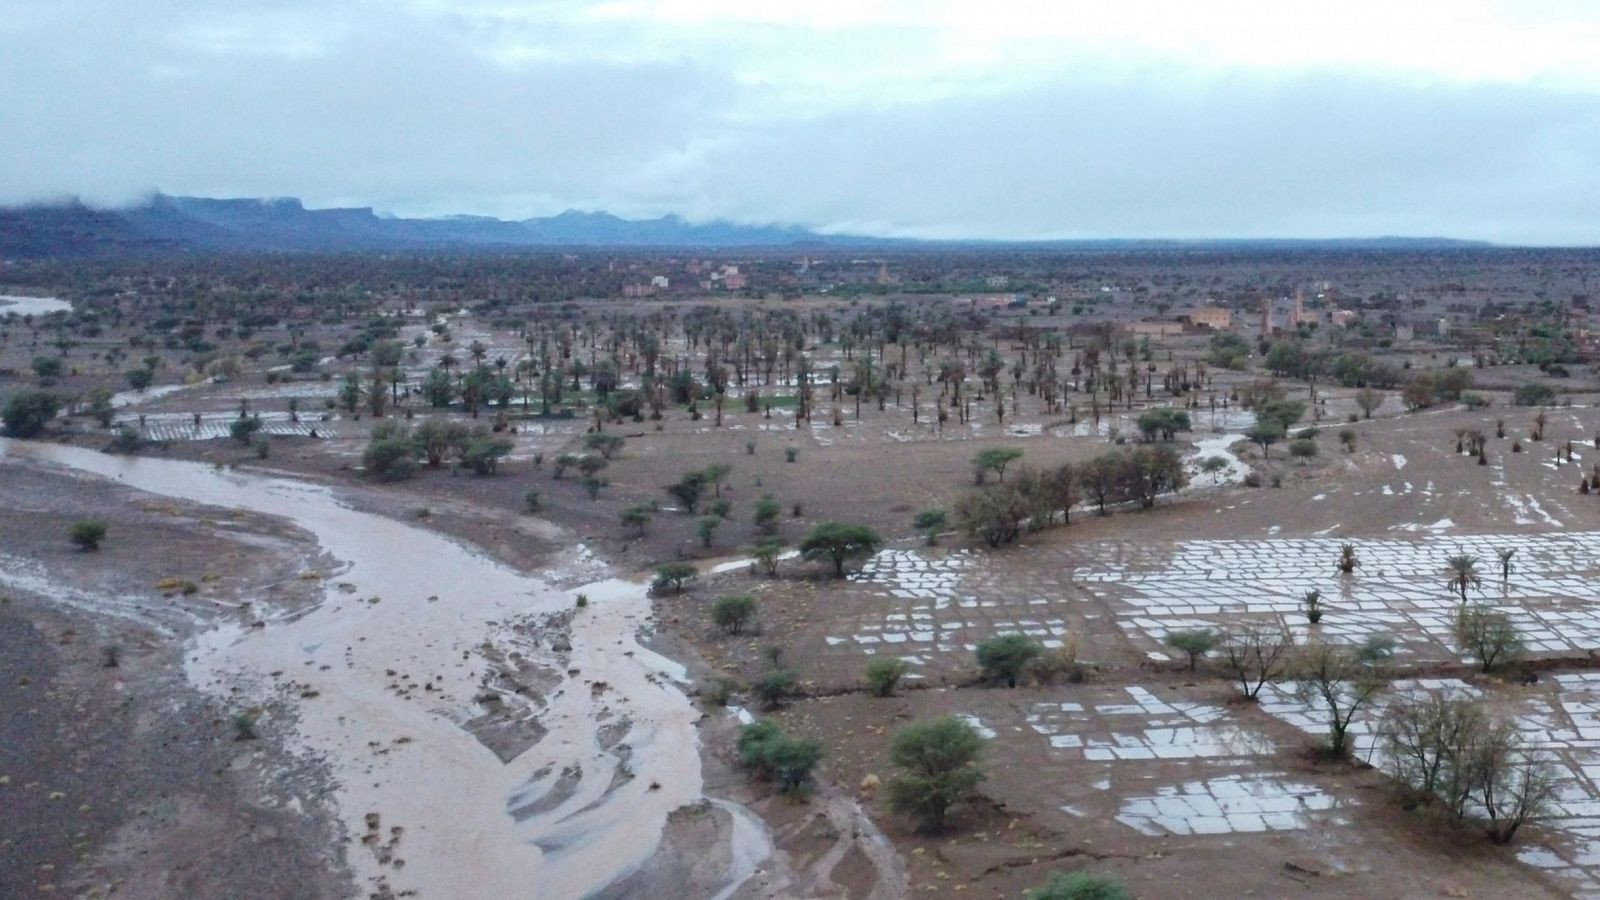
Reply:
x=1255, y=654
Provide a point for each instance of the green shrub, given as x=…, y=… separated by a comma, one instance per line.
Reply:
x=1081, y=886
x=88, y=533
x=774, y=687
x=673, y=577
x=391, y=453
x=767, y=510
x=938, y=763
x=718, y=692
x=930, y=522
x=1006, y=657
x=27, y=412
x=734, y=612
x=483, y=453
x=706, y=528
x=1534, y=395
x=1196, y=643
x=771, y=754
x=884, y=674
x=244, y=428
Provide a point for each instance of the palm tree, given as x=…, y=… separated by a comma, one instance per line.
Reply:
x=1505, y=562
x=1463, y=572
x=1347, y=558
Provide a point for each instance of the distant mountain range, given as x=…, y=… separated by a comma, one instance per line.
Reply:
x=185, y=225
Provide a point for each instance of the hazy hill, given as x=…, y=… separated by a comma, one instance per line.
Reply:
x=166, y=224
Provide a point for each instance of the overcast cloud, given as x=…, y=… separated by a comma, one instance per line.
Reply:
x=1001, y=119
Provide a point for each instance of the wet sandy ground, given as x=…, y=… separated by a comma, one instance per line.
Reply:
x=124, y=780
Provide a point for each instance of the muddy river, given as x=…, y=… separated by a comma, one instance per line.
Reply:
x=390, y=668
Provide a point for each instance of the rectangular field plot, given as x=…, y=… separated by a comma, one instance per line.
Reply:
x=1230, y=804
x=1400, y=588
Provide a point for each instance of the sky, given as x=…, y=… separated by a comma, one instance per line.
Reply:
x=1002, y=119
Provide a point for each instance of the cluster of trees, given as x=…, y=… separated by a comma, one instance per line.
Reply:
x=1449, y=749
x=1033, y=499
x=395, y=448
x=27, y=412
x=1424, y=389
x=1452, y=751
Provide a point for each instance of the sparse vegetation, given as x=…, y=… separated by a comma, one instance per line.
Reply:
x=87, y=534
x=884, y=674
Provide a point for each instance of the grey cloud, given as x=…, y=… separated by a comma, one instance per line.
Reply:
x=414, y=115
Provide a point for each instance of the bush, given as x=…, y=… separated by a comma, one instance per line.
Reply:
x=774, y=687
x=637, y=517
x=1488, y=634
x=391, y=454
x=126, y=439
x=767, y=510
x=1195, y=643
x=1534, y=395
x=244, y=428
x=1006, y=656
x=994, y=514
x=733, y=612
x=564, y=462
x=674, y=577
x=884, y=674
x=766, y=750
x=1162, y=422
x=607, y=445
x=88, y=533
x=27, y=412
x=766, y=553
x=1081, y=886
x=718, y=692
x=930, y=522
x=483, y=454
x=938, y=763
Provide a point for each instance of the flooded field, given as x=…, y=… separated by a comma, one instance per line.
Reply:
x=14, y=305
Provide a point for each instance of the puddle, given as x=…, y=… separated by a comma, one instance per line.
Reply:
x=1229, y=804
x=1144, y=728
x=11, y=305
